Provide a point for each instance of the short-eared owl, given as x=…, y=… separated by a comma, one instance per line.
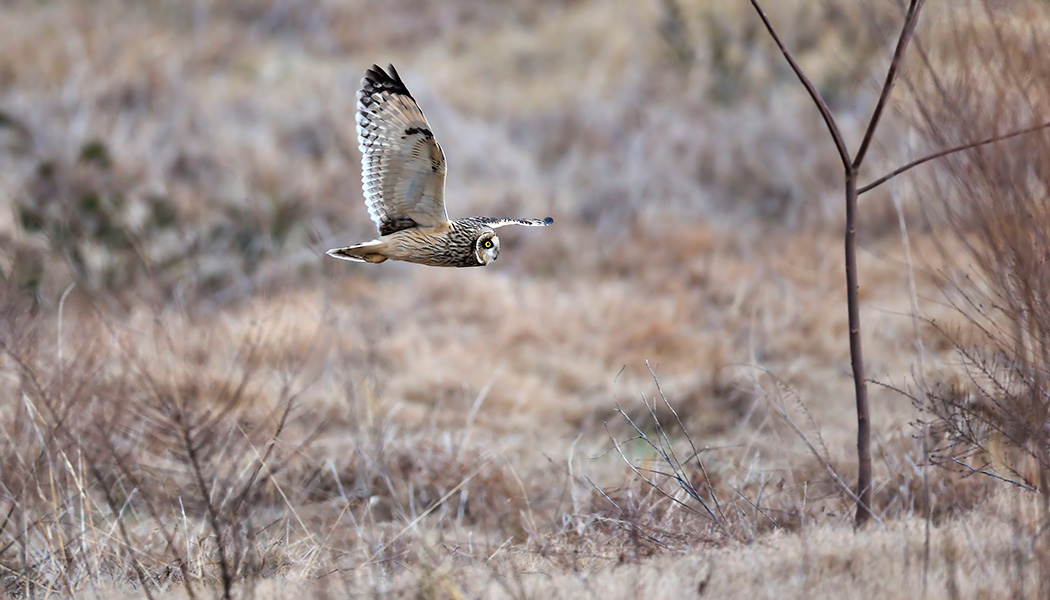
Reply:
x=403, y=175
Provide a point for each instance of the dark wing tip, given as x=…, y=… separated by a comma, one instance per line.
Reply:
x=378, y=80
x=548, y=221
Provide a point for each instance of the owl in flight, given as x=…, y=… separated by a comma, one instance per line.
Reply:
x=403, y=176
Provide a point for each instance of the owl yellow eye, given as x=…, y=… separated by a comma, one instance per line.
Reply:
x=487, y=244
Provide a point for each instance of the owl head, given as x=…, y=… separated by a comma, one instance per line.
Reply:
x=486, y=247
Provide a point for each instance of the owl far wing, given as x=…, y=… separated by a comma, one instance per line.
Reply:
x=402, y=167
x=496, y=223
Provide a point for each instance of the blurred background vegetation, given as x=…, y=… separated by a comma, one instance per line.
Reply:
x=194, y=143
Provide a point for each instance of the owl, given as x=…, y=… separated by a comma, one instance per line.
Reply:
x=403, y=176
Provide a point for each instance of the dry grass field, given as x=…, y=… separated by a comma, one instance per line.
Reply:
x=652, y=398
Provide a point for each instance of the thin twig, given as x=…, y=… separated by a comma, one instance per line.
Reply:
x=943, y=153
x=623, y=513
x=827, y=468
x=910, y=20
x=191, y=449
x=689, y=438
x=822, y=106
x=60, y=341
x=432, y=508
x=928, y=501
x=118, y=513
x=992, y=475
x=652, y=484
x=755, y=506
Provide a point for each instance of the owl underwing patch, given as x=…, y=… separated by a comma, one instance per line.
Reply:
x=393, y=225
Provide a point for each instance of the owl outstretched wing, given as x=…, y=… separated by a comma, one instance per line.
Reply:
x=402, y=166
x=496, y=223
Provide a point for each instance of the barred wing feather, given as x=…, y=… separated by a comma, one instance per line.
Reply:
x=402, y=166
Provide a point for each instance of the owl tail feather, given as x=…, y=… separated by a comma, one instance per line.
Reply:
x=364, y=252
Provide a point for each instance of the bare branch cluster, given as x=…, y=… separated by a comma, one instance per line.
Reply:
x=112, y=442
x=992, y=421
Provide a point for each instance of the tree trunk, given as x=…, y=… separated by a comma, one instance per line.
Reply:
x=857, y=355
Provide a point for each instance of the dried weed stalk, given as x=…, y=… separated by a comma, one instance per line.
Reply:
x=677, y=474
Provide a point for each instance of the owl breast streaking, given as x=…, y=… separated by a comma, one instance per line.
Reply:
x=403, y=176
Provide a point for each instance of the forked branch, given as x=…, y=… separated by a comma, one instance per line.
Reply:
x=851, y=168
